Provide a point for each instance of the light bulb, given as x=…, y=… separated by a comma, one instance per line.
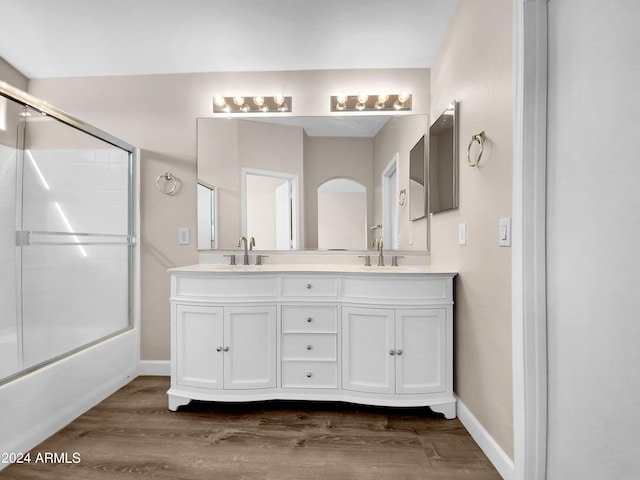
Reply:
x=238, y=101
x=259, y=101
x=382, y=98
x=403, y=96
x=363, y=97
x=341, y=98
x=219, y=101
x=278, y=100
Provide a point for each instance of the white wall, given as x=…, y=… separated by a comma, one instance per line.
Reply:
x=593, y=224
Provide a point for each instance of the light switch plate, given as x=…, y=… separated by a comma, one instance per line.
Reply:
x=462, y=234
x=184, y=236
x=504, y=232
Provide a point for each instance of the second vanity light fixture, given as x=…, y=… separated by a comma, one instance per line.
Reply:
x=364, y=102
x=256, y=104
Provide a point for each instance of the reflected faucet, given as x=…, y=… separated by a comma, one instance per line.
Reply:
x=245, y=260
x=378, y=243
x=252, y=243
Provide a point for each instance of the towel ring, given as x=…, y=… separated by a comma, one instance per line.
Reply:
x=478, y=137
x=171, y=181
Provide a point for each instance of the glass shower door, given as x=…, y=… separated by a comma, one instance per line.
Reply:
x=75, y=235
x=66, y=235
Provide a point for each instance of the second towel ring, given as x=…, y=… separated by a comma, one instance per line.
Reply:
x=171, y=180
x=478, y=137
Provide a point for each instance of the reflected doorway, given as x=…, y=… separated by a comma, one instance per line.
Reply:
x=269, y=209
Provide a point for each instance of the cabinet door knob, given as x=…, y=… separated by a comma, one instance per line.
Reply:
x=308, y=347
x=308, y=286
x=309, y=374
x=309, y=319
x=398, y=352
x=226, y=349
x=392, y=352
x=219, y=349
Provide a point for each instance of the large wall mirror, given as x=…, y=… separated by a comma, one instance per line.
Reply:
x=300, y=182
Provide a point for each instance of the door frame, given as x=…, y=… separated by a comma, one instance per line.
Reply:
x=529, y=315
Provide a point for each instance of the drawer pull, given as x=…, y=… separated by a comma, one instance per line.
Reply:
x=392, y=352
x=219, y=349
x=398, y=352
x=226, y=349
x=308, y=286
x=308, y=347
x=309, y=374
x=309, y=319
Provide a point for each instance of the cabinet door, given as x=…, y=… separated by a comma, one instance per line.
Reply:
x=367, y=346
x=199, y=332
x=420, y=351
x=250, y=347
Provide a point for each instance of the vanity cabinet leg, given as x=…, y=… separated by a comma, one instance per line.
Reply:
x=448, y=409
x=175, y=402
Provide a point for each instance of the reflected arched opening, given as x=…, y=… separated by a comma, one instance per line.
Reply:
x=342, y=215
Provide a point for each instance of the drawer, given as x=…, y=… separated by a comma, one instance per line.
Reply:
x=309, y=286
x=309, y=375
x=309, y=319
x=226, y=286
x=427, y=288
x=309, y=346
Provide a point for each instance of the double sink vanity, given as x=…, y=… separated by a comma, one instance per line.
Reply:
x=377, y=335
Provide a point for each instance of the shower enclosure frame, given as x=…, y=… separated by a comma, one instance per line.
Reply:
x=24, y=99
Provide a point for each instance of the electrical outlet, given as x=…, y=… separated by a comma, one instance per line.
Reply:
x=184, y=236
x=462, y=234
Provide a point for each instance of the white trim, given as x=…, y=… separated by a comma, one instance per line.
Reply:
x=155, y=367
x=529, y=235
x=486, y=442
x=387, y=229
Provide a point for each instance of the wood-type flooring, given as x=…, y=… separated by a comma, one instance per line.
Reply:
x=132, y=435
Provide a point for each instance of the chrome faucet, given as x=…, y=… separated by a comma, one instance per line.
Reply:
x=378, y=243
x=245, y=260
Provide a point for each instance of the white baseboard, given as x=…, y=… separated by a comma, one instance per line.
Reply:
x=486, y=442
x=154, y=367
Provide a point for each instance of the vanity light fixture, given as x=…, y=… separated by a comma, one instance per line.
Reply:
x=366, y=102
x=255, y=104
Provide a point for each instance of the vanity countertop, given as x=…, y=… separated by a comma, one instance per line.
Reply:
x=311, y=268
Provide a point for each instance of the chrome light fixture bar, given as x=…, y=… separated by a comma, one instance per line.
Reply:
x=364, y=102
x=255, y=104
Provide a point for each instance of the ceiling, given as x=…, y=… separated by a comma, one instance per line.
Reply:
x=77, y=38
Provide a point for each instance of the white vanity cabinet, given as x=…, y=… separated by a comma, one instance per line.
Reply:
x=379, y=336
x=394, y=351
x=231, y=347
